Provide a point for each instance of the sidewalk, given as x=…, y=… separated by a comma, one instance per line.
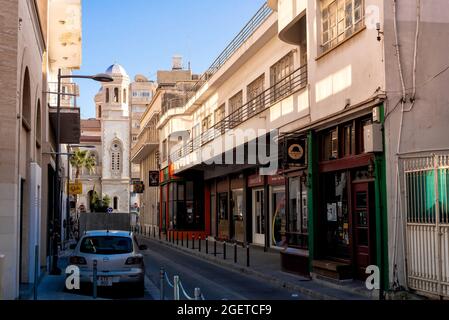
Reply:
x=52, y=288
x=267, y=266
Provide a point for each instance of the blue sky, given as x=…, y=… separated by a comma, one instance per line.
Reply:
x=143, y=35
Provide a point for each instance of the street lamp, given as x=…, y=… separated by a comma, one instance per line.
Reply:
x=101, y=77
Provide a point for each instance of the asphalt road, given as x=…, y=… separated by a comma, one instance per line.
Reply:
x=215, y=282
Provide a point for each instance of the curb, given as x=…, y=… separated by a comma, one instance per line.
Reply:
x=273, y=280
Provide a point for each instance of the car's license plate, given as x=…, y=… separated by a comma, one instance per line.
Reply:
x=104, y=282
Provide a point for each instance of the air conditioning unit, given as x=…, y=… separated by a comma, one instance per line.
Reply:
x=372, y=137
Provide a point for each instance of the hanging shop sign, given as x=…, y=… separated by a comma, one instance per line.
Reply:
x=76, y=188
x=296, y=152
x=154, y=178
x=138, y=187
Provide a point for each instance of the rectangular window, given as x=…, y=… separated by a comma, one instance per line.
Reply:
x=255, y=95
x=339, y=20
x=345, y=140
x=164, y=150
x=329, y=145
x=348, y=140
x=280, y=78
x=206, y=124
x=219, y=115
x=235, y=109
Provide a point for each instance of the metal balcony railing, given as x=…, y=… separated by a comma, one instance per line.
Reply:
x=296, y=81
x=69, y=94
x=149, y=136
x=248, y=30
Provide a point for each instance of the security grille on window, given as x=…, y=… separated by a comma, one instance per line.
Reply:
x=339, y=20
x=255, y=97
x=280, y=77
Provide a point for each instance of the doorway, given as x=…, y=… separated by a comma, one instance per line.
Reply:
x=223, y=217
x=258, y=217
x=278, y=218
x=362, y=237
x=238, y=215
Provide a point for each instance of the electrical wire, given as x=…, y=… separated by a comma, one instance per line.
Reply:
x=419, y=86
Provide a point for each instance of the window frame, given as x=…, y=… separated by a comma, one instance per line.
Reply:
x=339, y=22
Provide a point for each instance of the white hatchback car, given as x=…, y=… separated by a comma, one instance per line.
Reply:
x=117, y=255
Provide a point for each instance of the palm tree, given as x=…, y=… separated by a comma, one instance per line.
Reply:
x=82, y=159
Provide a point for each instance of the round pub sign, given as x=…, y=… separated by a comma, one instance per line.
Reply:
x=296, y=151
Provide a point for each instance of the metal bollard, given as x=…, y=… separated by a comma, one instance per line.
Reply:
x=182, y=239
x=197, y=294
x=235, y=252
x=159, y=233
x=166, y=236
x=199, y=243
x=215, y=247
x=177, y=238
x=247, y=255
x=2, y=259
x=36, y=271
x=207, y=245
x=193, y=242
x=224, y=250
x=161, y=279
x=176, y=288
x=187, y=241
x=95, y=280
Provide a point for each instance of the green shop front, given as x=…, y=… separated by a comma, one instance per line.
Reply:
x=347, y=191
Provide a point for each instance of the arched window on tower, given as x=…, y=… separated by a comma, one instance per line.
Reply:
x=124, y=95
x=99, y=112
x=107, y=95
x=116, y=158
x=116, y=93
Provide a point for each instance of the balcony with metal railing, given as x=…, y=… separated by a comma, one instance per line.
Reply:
x=286, y=87
x=70, y=115
x=147, y=142
x=248, y=30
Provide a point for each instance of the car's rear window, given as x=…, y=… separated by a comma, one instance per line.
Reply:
x=106, y=245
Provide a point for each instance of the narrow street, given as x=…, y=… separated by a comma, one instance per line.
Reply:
x=215, y=282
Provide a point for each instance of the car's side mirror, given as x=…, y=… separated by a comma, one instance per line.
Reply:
x=143, y=247
x=72, y=246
